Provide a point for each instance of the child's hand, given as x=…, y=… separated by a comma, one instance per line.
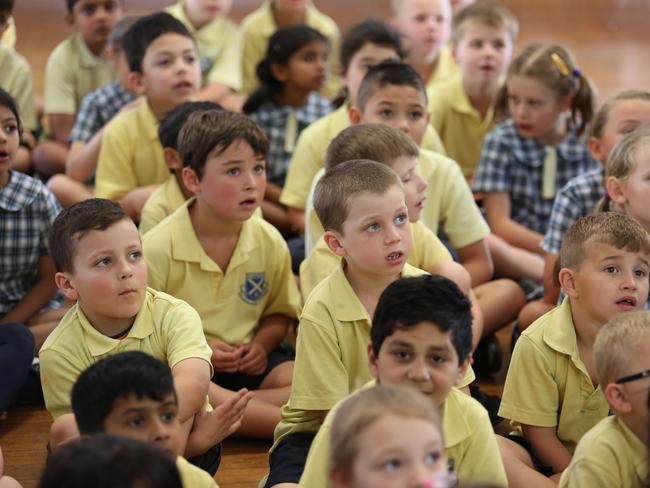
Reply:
x=226, y=358
x=254, y=360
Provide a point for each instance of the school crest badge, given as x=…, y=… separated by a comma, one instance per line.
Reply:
x=254, y=288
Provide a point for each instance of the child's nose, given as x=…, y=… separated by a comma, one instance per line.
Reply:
x=419, y=371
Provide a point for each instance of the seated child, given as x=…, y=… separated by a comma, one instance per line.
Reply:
x=552, y=395
x=613, y=453
x=229, y=264
x=217, y=40
x=163, y=62
x=421, y=337
x=27, y=210
x=386, y=436
x=172, y=193
x=258, y=26
x=96, y=110
x=132, y=394
x=294, y=69
x=75, y=68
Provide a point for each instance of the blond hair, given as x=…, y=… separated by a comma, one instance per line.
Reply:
x=396, y=6
x=364, y=408
x=615, y=343
x=602, y=115
x=485, y=12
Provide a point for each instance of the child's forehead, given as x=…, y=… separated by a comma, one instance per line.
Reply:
x=393, y=93
x=134, y=402
x=82, y=4
x=170, y=42
x=476, y=26
x=114, y=234
x=424, y=335
x=599, y=250
x=409, y=7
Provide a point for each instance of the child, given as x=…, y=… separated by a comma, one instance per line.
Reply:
x=27, y=210
x=421, y=337
x=218, y=42
x=294, y=69
x=229, y=264
x=386, y=436
x=132, y=394
x=258, y=26
x=462, y=107
x=164, y=67
x=172, y=193
x=537, y=150
x=96, y=110
x=552, y=394
x=614, y=453
x=75, y=68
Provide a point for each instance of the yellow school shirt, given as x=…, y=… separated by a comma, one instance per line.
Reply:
x=548, y=384
x=446, y=68
x=16, y=79
x=219, y=46
x=458, y=123
x=257, y=283
x=469, y=440
x=131, y=155
x=73, y=72
x=163, y=202
x=193, y=476
x=165, y=327
x=309, y=154
x=8, y=38
x=608, y=455
x=258, y=26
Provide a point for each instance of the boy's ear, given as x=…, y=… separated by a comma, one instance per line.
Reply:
x=333, y=241
x=614, y=189
x=69, y=19
x=372, y=362
x=566, y=278
x=136, y=81
x=64, y=283
x=172, y=158
x=596, y=149
x=462, y=369
x=617, y=398
x=191, y=180
x=355, y=114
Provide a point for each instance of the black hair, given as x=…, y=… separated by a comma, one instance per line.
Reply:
x=73, y=222
x=428, y=298
x=389, y=72
x=283, y=44
x=371, y=31
x=173, y=121
x=146, y=30
x=107, y=462
x=71, y=3
x=129, y=373
x=6, y=100
x=6, y=6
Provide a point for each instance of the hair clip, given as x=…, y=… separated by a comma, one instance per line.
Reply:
x=560, y=64
x=577, y=73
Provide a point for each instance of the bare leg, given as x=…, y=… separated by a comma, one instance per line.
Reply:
x=64, y=429
x=500, y=302
x=43, y=324
x=276, y=387
x=69, y=191
x=23, y=160
x=49, y=157
x=513, y=262
x=519, y=466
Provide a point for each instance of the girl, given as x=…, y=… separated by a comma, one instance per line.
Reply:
x=388, y=437
x=294, y=69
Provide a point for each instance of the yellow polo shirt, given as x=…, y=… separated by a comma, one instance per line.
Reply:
x=162, y=203
x=16, y=79
x=165, y=327
x=131, y=155
x=458, y=123
x=219, y=46
x=469, y=441
x=446, y=68
x=193, y=476
x=309, y=154
x=258, y=26
x=548, y=384
x=8, y=38
x=257, y=283
x=73, y=72
x=608, y=455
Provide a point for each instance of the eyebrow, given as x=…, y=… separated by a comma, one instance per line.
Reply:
x=129, y=411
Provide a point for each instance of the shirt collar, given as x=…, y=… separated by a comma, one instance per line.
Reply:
x=461, y=104
x=147, y=120
x=86, y=58
x=454, y=425
x=19, y=192
x=638, y=450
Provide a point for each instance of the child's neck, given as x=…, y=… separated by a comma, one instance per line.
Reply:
x=587, y=328
x=196, y=22
x=107, y=326
x=288, y=17
x=211, y=226
x=5, y=176
x=368, y=287
x=481, y=95
x=187, y=194
x=158, y=110
x=425, y=66
x=638, y=428
x=292, y=97
x=97, y=49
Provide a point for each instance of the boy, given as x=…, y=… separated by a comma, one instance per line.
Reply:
x=551, y=393
x=217, y=40
x=462, y=107
x=132, y=394
x=614, y=452
x=75, y=68
x=164, y=67
x=257, y=27
x=421, y=336
x=172, y=193
x=229, y=264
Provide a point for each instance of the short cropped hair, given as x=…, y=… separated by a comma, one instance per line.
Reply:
x=376, y=142
x=428, y=298
x=615, y=343
x=71, y=3
x=119, y=30
x=359, y=411
x=6, y=6
x=611, y=228
x=129, y=373
x=107, y=462
x=338, y=185
x=389, y=73
x=173, y=121
x=146, y=30
x=370, y=31
x=76, y=221
x=485, y=12
x=207, y=130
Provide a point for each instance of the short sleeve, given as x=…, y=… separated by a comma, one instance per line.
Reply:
x=492, y=174
x=59, y=85
x=50, y=208
x=315, y=474
x=565, y=211
x=589, y=473
x=227, y=67
x=284, y=297
x=86, y=122
x=115, y=173
x=58, y=375
x=23, y=92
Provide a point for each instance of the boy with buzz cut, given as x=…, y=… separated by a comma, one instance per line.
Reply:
x=230, y=264
x=421, y=337
x=164, y=68
x=132, y=394
x=552, y=395
x=614, y=453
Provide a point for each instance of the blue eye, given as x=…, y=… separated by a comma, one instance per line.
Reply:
x=373, y=227
x=103, y=262
x=401, y=219
x=392, y=465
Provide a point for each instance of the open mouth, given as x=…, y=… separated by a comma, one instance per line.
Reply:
x=184, y=87
x=627, y=302
x=4, y=155
x=249, y=202
x=395, y=257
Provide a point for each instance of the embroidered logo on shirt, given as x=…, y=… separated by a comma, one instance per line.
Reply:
x=254, y=288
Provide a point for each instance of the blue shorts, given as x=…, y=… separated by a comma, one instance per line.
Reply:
x=236, y=381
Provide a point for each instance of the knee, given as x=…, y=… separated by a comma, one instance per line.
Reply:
x=63, y=429
x=456, y=273
x=20, y=338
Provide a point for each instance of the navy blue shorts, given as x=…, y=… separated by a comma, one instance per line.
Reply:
x=236, y=381
x=289, y=457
